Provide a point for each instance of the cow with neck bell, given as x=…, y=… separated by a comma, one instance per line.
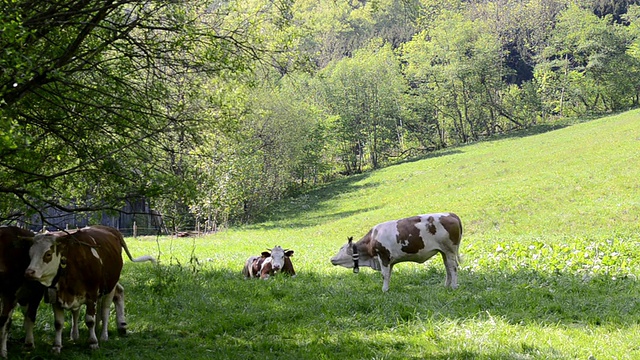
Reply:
x=414, y=239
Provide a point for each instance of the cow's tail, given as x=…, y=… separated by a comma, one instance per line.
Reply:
x=138, y=259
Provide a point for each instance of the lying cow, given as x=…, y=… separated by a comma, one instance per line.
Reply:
x=81, y=267
x=14, y=259
x=269, y=263
x=415, y=239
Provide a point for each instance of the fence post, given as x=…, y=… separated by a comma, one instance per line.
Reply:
x=135, y=230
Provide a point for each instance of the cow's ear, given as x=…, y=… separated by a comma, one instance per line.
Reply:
x=59, y=245
x=350, y=239
x=266, y=254
x=23, y=241
x=289, y=253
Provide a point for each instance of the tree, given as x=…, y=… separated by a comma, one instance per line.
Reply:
x=457, y=67
x=365, y=93
x=336, y=29
x=633, y=50
x=584, y=68
x=99, y=99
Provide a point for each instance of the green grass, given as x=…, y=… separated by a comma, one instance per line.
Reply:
x=551, y=255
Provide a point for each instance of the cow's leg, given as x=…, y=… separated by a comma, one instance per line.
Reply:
x=30, y=306
x=30, y=312
x=29, y=324
x=105, y=308
x=386, y=276
x=58, y=314
x=90, y=321
x=7, y=305
x=118, y=299
x=451, y=266
x=75, y=317
x=266, y=271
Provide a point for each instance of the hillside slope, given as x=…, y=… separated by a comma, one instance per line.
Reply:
x=578, y=180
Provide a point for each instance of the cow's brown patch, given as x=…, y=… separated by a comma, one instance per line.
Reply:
x=431, y=227
x=409, y=235
x=383, y=254
x=453, y=225
x=366, y=244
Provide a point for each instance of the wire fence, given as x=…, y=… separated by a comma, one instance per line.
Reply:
x=135, y=219
x=134, y=230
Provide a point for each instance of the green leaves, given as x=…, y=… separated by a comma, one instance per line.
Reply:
x=365, y=92
x=104, y=103
x=590, y=64
x=584, y=258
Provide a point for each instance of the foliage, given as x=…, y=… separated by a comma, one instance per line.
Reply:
x=364, y=92
x=280, y=149
x=209, y=112
x=96, y=105
x=458, y=65
x=587, y=66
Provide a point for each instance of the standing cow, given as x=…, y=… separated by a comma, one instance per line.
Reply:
x=14, y=288
x=81, y=267
x=270, y=262
x=415, y=239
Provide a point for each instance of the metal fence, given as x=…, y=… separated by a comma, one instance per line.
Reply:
x=136, y=218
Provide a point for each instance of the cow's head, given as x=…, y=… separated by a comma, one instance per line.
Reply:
x=347, y=256
x=277, y=255
x=46, y=258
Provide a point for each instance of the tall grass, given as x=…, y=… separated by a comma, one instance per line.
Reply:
x=550, y=270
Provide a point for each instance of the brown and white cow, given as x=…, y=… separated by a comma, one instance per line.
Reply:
x=81, y=267
x=415, y=239
x=14, y=288
x=269, y=263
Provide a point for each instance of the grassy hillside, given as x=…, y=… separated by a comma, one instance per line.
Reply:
x=551, y=253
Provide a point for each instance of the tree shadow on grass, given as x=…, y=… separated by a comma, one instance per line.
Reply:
x=336, y=314
x=430, y=155
x=316, y=206
x=331, y=313
x=301, y=220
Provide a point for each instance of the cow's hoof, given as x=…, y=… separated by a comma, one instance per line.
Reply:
x=94, y=346
x=29, y=346
x=56, y=349
x=122, y=331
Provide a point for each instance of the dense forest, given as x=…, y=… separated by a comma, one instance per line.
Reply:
x=210, y=111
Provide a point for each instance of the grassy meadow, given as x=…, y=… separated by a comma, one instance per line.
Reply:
x=551, y=254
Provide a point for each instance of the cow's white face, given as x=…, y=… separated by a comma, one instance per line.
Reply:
x=277, y=258
x=45, y=260
x=344, y=257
